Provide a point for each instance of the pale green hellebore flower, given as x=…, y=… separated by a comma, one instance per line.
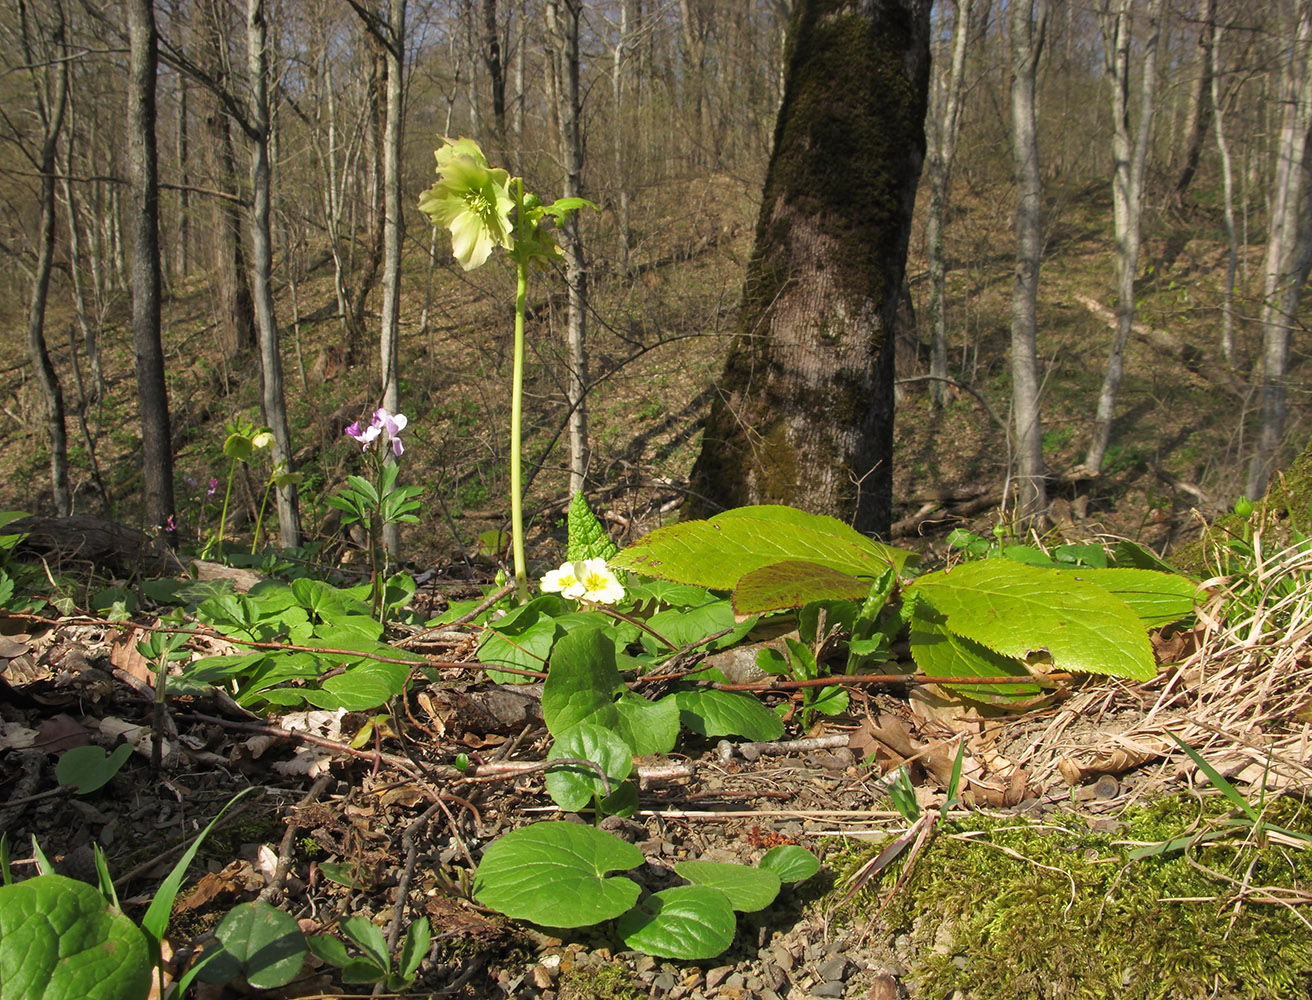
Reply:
x=472, y=200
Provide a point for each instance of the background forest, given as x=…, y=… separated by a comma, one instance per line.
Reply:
x=286, y=129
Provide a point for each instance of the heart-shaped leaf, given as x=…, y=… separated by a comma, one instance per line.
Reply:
x=59, y=938
x=260, y=943
x=748, y=889
x=689, y=922
x=554, y=874
x=572, y=786
x=790, y=862
x=88, y=768
x=708, y=712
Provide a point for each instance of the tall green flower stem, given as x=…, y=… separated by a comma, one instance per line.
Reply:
x=474, y=201
x=517, y=421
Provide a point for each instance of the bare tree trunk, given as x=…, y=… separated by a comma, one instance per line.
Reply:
x=90, y=331
x=90, y=339
x=1129, y=159
x=394, y=227
x=182, y=249
x=1228, y=184
x=945, y=119
x=618, y=133
x=1289, y=248
x=1028, y=24
x=274, y=404
x=563, y=23
x=236, y=313
x=1200, y=102
x=496, y=72
x=156, y=440
x=803, y=414
x=51, y=97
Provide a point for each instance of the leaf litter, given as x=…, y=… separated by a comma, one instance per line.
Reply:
x=389, y=830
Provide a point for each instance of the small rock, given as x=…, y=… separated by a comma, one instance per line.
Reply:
x=884, y=988
x=717, y=975
x=783, y=957
x=541, y=978
x=736, y=981
x=754, y=983
x=662, y=983
x=644, y=963
x=834, y=968
x=832, y=988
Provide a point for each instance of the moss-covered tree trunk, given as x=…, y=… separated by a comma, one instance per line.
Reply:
x=804, y=412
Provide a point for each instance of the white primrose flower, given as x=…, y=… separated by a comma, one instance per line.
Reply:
x=584, y=579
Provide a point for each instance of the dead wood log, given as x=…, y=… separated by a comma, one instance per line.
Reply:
x=108, y=545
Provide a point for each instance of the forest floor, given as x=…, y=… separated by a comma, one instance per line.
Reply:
x=336, y=829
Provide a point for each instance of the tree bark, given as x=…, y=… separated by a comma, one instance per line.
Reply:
x=1129, y=160
x=236, y=311
x=393, y=227
x=804, y=411
x=946, y=121
x=1200, y=101
x=274, y=404
x=1028, y=25
x=496, y=72
x=563, y=21
x=51, y=98
x=1228, y=189
x=1289, y=249
x=152, y=390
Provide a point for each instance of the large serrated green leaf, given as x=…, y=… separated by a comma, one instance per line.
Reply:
x=793, y=584
x=587, y=535
x=940, y=652
x=60, y=940
x=1157, y=598
x=1020, y=610
x=719, y=552
x=554, y=874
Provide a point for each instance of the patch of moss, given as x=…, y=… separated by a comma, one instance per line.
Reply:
x=1012, y=909
x=611, y=981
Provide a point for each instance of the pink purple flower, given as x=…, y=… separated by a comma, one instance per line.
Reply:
x=386, y=425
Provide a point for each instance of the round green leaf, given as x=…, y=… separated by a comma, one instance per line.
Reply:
x=554, y=874
x=708, y=712
x=238, y=446
x=572, y=786
x=367, y=686
x=59, y=939
x=581, y=684
x=88, y=768
x=790, y=862
x=688, y=922
x=748, y=889
x=265, y=944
